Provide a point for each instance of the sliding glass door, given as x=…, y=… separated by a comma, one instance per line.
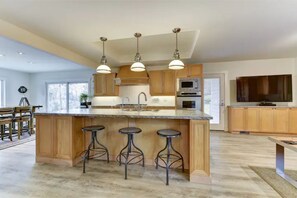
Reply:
x=2, y=93
x=65, y=96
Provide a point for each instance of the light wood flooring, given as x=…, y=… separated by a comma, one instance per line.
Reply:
x=231, y=156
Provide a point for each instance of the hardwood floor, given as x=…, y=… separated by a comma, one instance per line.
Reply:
x=231, y=156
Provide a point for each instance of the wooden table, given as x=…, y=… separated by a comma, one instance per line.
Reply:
x=280, y=156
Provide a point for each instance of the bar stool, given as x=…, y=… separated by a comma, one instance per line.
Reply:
x=170, y=157
x=130, y=150
x=99, y=150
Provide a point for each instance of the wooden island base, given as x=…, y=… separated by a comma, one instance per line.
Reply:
x=60, y=140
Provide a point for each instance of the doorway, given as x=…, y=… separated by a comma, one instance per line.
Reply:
x=214, y=99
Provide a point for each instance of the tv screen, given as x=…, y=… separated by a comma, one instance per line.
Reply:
x=274, y=88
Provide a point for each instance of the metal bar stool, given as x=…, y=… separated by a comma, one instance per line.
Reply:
x=170, y=157
x=131, y=153
x=99, y=149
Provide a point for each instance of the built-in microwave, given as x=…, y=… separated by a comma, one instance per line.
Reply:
x=189, y=85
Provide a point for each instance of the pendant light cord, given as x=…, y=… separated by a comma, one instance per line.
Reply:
x=103, y=49
x=137, y=45
x=176, y=45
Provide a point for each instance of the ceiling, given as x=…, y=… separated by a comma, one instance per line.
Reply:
x=212, y=30
x=20, y=57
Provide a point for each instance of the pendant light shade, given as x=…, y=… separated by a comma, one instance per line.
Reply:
x=176, y=63
x=103, y=67
x=137, y=66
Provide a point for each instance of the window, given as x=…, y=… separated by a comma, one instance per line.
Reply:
x=65, y=96
x=2, y=93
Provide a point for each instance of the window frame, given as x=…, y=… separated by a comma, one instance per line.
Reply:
x=3, y=92
x=67, y=90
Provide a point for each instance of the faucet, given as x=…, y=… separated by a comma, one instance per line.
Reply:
x=139, y=107
x=123, y=100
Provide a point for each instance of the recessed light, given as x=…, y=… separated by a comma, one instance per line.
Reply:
x=20, y=53
x=1, y=55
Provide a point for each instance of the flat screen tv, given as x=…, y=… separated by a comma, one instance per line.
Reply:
x=273, y=88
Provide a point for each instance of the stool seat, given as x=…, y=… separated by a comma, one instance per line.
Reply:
x=168, y=133
x=93, y=128
x=130, y=130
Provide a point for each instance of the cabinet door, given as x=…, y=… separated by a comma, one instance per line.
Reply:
x=195, y=70
x=99, y=84
x=169, y=83
x=183, y=73
x=252, y=119
x=292, y=120
x=63, y=137
x=266, y=120
x=281, y=119
x=111, y=88
x=156, y=81
x=236, y=119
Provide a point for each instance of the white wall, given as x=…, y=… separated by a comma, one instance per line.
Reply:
x=252, y=68
x=38, y=82
x=132, y=92
x=13, y=80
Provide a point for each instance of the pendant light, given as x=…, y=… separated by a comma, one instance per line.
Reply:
x=137, y=66
x=176, y=63
x=103, y=67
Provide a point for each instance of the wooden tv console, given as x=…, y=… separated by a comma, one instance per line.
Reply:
x=259, y=119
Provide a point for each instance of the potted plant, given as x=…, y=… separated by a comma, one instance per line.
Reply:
x=84, y=100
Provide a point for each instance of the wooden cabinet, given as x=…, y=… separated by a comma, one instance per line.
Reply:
x=279, y=120
x=266, y=119
x=104, y=85
x=61, y=140
x=252, y=119
x=162, y=83
x=236, y=115
x=190, y=71
x=292, y=119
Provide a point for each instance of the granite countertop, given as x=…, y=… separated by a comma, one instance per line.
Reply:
x=243, y=106
x=160, y=114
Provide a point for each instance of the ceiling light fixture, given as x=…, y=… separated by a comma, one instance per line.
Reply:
x=20, y=53
x=137, y=66
x=103, y=68
x=1, y=55
x=176, y=63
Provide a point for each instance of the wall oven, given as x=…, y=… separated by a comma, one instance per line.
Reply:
x=189, y=101
x=191, y=85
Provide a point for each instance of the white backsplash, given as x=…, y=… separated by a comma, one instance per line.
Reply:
x=132, y=92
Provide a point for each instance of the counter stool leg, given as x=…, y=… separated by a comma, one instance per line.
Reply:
x=168, y=140
x=158, y=155
x=107, y=154
x=121, y=153
x=138, y=150
x=87, y=155
x=180, y=155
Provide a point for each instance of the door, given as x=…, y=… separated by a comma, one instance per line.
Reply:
x=266, y=120
x=214, y=99
x=169, y=83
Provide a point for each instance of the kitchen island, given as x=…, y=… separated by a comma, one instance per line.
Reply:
x=60, y=140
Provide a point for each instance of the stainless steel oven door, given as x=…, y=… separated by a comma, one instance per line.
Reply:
x=190, y=103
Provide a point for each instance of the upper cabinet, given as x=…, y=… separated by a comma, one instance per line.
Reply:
x=162, y=83
x=190, y=71
x=104, y=85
